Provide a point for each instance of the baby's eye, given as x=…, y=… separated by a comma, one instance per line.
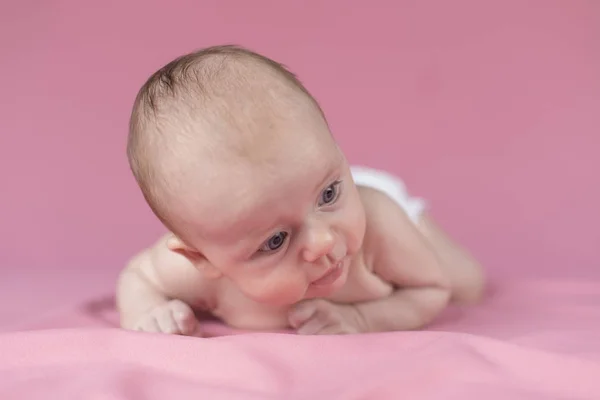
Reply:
x=330, y=194
x=274, y=242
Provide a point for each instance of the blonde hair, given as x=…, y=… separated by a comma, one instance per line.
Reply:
x=202, y=75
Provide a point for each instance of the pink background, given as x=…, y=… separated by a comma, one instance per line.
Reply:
x=491, y=110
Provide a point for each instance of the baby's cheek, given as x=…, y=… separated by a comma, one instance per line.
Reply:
x=355, y=225
x=276, y=289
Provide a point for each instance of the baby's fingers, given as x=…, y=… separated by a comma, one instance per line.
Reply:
x=183, y=317
x=302, y=313
x=313, y=326
x=148, y=325
x=165, y=321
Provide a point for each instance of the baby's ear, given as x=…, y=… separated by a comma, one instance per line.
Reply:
x=177, y=245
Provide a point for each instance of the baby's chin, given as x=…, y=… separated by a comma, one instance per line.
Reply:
x=289, y=300
x=293, y=294
x=332, y=283
x=283, y=300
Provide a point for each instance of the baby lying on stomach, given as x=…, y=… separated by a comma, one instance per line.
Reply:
x=270, y=228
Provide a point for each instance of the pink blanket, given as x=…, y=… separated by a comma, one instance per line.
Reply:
x=529, y=340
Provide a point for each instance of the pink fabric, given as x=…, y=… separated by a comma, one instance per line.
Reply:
x=116, y=365
x=534, y=339
x=489, y=110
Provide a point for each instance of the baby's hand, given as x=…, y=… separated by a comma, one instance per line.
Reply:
x=174, y=317
x=321, y=317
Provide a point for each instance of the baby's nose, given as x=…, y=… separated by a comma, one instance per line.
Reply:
x=320, y=242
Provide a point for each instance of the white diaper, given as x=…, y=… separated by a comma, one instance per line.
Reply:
x=390, y=185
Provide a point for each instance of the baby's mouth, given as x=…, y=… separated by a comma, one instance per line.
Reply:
x=331, y=276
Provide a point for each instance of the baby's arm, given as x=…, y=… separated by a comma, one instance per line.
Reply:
x=157, y=291
x=426, y=267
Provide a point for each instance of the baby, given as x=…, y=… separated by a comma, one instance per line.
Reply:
x=270, y=228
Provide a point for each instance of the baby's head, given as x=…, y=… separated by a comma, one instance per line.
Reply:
x=235, y=157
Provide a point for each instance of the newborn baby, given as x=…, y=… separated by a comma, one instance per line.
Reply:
x=270, y=228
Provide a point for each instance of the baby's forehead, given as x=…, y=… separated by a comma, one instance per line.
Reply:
x=247, y=200
x=251, y=128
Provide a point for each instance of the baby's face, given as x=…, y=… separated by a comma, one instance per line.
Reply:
x=284, y=229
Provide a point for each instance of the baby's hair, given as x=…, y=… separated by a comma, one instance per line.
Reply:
x=199, y=77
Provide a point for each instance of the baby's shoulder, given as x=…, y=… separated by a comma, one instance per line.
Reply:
x=387, y=223
x=378, y=179
x=178, y=277
x=383, y=189
x=382, y=213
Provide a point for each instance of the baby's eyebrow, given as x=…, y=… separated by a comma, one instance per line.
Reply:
x=245, y=249
x=257, y=229
x=247, y=229
x=331, y=176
